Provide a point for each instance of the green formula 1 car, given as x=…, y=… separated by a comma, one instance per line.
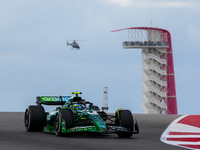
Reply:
x=76, y=115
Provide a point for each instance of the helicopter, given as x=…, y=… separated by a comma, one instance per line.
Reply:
x=74, y=44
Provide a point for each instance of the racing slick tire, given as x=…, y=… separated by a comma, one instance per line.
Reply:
x=35, y=118
x=125, y=120
x=65, y=115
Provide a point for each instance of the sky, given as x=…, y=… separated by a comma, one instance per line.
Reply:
x=35, y=60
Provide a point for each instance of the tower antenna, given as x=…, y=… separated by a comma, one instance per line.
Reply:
x=105, y=99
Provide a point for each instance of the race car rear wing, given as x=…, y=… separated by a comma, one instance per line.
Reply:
x=52, y=100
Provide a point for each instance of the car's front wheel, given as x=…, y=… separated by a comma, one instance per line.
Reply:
x=66, y=116
x=125, y=119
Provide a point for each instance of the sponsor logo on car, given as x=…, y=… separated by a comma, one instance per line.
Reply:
x=117, y=128
x=78, y=129
x=54, y=99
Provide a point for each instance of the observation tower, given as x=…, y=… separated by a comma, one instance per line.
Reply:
x=159, y=92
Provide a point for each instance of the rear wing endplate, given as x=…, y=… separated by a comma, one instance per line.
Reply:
x=52, y=100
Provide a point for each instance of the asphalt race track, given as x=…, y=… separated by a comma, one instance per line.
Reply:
x=13, y=136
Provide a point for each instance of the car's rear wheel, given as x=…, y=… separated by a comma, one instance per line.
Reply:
x=63, y=115
x=34, y=118
x=125, y=119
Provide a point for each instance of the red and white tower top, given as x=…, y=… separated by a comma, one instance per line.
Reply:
x=159, y=83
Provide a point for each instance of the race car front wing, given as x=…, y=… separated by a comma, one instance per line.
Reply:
x=108, y=129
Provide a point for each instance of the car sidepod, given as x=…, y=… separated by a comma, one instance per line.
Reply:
x=86, y=121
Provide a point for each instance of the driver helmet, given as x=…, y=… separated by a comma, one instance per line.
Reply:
x=78, y=106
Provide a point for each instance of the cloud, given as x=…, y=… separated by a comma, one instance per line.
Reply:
x=123, y=3
x=154, y=3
